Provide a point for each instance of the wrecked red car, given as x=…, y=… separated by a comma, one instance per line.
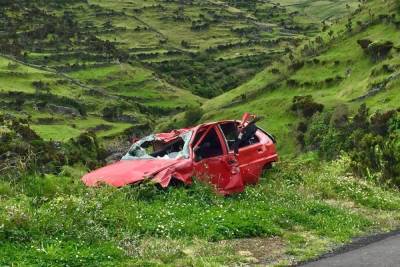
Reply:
x=228, y=154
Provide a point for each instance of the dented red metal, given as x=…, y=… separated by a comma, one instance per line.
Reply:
x=228, y=154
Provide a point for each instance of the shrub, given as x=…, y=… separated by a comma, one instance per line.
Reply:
x=306, y=106
x=364, y=43
x=297, y=65
x=317, y=130
x=340, y=116
x=302, y=127
x=373, y=143
x=193, y=115
x=380, y=122
x=360, y=120
x=23, y=151
x=110, y=113
x=378, y=50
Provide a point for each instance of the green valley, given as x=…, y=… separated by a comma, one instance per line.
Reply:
x=80, y=78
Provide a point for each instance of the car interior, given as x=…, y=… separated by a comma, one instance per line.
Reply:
x=171, y=149
x=231, y=132
x=209, y=147
x=159, y=149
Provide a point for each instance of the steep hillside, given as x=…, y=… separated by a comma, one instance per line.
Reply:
x=61, y=106
x=131, y=62
x=78, y=77
x=332, y=67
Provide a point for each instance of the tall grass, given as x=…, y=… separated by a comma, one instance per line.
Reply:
x=47, y=219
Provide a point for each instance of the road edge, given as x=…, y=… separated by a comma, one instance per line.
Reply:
x=356, y=243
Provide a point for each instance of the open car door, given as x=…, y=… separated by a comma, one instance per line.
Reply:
x=244, y=141
x=213, y=162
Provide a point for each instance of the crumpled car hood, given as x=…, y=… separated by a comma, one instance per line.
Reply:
x=126, y=172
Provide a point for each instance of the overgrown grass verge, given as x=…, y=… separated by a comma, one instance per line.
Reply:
x=56, y=221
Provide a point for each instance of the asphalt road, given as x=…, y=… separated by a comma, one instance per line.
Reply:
x=384, y=252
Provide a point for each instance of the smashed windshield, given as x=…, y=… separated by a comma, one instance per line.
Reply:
x=151, y=147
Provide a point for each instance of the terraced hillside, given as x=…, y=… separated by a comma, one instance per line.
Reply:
x=108, y=65
x=100, y=70
x=333, y=67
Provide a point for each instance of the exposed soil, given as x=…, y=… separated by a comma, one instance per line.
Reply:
x=258, y=251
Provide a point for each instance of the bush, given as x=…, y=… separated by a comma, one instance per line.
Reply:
x=110, y=113
x=317, y=130
x=193, y=115
x=378, y=50
x=373, y=143
x=23, y=151
x=380, y=122
x=306, y=106
x=340, y=117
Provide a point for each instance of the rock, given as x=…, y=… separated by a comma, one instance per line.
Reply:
x=245, y=253
x=364, y=43
x=252, y=260
x=64, y=110
x=188, y=251
x=380, y=49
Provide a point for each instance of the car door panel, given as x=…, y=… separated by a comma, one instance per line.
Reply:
x=222, y=170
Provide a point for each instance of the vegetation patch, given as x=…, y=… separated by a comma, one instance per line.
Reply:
x=53, y=219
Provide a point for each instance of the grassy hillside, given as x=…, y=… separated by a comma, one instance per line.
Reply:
x=336, y=71
x=37, y=94
x=151, y=58
x=98, y=71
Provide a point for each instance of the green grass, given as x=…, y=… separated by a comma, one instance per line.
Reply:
x=321, y=9
x=353, y=65
x=139, y=82
x=134, y=82
x=56, y=132
x=308, y=205
x=54, y=220
x=62, y=131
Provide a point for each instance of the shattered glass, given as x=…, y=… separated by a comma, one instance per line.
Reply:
x=151, y=147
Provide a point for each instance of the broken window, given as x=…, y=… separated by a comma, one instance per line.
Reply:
x=151, y=147
x=230, y=132
x=250, y=139
x=209, y=147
